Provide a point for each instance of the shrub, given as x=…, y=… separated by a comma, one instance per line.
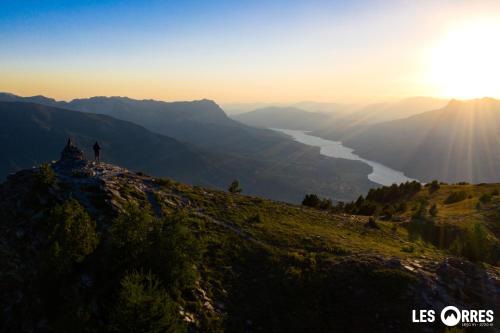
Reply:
x=131, y=229
x=485, y=198
x=456, y=197
x=367, y=209
x=387, y=212
x=495, y=192
x=164, y=246
x=408, y=249
x=46, y=177
x=434, y=186
x=164, y=181
x=339, y=250
x=234, y=187
x=402, y=207
x=144, y=306
x=394, y=193
x=326, y=204
x=254, y=219
x=311, y=200
x=421, y=211
x=372, y=224
x=433, y=210
x=73, y=235
x=174, y=252
x=475, y=245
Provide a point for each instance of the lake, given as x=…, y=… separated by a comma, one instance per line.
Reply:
x=381, y=174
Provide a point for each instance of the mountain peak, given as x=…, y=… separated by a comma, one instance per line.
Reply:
x=476, y=101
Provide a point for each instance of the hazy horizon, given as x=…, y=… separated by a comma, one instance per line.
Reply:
x=284, y=52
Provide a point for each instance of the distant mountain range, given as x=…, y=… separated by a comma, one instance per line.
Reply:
x=284, y=117
x=459, y=142
x=333, y=119
x=266, y=163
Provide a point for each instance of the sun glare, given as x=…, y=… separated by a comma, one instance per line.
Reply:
x=466, y=62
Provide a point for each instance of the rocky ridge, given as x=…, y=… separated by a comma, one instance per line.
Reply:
x=104, y=189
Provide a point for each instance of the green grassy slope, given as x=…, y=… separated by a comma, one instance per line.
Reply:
x=241, y=264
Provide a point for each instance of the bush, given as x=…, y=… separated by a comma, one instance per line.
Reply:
x=372, y=224
x=387, y=212
x=456, y=197
x=485, y=198
x=367, y=209
x=144, y=306
x=475, y=245
x=408, y=248
x=235, y=188
x=394, y=193
x=433, y=210
x=254, y=219
x=495, y=192
x=326, y=204
x=45, y=178
x=173, y=253
x=164, y=246
x=131, y=229
x=73, y=235
x=312, y=200
x=434, y=186
x=402, y=207
x=164, y=182
x=421, y=212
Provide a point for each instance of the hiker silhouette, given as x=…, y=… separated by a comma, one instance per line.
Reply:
x=97, y=150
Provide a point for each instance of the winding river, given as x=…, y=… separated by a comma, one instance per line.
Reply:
x=380, y=173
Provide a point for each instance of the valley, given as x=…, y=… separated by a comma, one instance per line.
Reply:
x=380, y=173
x=222, y=149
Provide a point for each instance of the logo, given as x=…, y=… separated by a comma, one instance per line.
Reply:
x=450, y=316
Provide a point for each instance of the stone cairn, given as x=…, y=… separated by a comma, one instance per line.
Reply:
x=71, y=157
x=71, y=154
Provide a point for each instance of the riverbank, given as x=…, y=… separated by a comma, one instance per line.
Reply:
x=381, y=174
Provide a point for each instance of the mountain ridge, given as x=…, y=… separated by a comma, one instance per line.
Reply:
x=455, y=143
x=260, y=168
x=316, y=264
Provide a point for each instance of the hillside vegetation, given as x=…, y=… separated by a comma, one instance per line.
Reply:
x=96, y=248
x=461, y=218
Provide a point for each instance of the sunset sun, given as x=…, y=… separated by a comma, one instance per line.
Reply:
x=465, y=63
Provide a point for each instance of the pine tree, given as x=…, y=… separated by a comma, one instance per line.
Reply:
x=235, y=188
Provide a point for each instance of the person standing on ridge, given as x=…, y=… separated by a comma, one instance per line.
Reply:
x=97, y=150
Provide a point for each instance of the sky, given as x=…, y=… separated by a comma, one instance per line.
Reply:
x=250, y=51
